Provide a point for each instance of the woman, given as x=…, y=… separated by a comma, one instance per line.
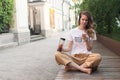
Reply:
x=80, y=44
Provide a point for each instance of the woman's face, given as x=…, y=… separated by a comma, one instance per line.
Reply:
x=83, y=20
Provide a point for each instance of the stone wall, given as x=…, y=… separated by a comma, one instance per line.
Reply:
x=7, y=40
x=113, y=45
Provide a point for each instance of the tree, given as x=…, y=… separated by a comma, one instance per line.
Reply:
x=76, y=8
x=104, y=12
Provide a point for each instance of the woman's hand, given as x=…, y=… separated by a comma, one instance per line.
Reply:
x=84, y=37
x=88, y=43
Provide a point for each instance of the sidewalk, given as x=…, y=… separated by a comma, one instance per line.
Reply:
x=109, y=68
x=35, y=61
x=32, y=61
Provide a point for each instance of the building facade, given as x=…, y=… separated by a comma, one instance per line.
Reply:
x=62, y=14
x=40, y=17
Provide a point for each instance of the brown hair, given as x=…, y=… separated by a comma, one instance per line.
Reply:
x=93, y=25
x=90, y=20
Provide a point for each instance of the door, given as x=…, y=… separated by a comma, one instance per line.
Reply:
x=35, y=22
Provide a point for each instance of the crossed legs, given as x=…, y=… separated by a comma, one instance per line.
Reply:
x=71, y=62
x=88, y=66
x=74, y=66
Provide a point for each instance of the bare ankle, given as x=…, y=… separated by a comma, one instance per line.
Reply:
x=84, y=65
x=86, y=70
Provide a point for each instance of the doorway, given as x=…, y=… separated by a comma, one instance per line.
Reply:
x=34, y=21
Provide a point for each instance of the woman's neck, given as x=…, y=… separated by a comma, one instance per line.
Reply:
x=81, y=27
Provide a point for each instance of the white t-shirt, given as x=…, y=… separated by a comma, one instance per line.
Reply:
x=78, y=44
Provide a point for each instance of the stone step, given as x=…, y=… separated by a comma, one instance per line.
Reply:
x=36, y=37
x=6, y=38
x=8, y=45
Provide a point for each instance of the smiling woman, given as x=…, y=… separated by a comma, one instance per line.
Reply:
x=80, y=45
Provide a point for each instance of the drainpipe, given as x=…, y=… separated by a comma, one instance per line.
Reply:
x=69, y=16
x=62, y=16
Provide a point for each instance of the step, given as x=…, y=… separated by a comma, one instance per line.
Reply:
x=6, y=38
x=8, y=45
x=36, y=38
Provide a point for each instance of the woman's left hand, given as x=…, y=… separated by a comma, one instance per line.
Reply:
x=84, y=37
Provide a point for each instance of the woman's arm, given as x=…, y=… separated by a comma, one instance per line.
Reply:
x=69, y=47
x=89, y=45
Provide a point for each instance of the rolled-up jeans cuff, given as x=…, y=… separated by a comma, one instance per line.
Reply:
x=66, y=63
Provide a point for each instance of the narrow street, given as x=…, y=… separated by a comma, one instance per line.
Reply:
x=36, y=61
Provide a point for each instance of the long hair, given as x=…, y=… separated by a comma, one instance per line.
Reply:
x=90, y=20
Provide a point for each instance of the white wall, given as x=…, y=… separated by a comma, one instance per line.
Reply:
x=21, y=31
x=58, y=20
x=57, y=5
x=21, y=16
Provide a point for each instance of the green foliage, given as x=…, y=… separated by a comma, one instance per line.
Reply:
x=6, y=10
x=76, y=8
x=104, y=12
